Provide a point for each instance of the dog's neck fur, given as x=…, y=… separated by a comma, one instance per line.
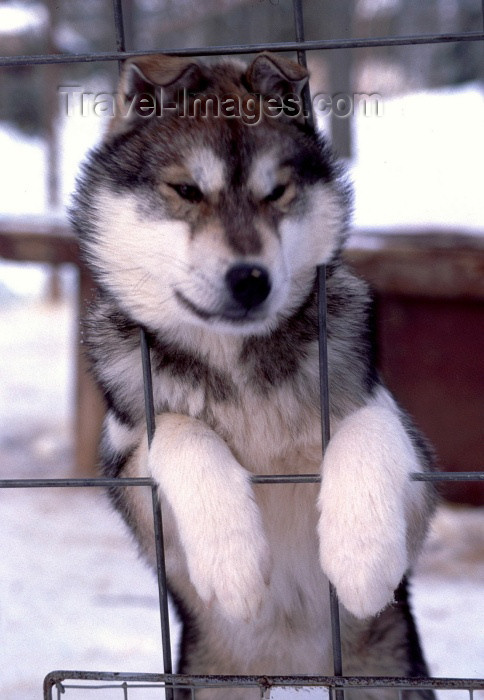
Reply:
x=201, y=370
x=282, y=348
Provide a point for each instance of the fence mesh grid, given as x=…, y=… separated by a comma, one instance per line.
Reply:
x=126, y=685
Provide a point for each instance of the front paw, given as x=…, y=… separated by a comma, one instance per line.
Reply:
x=364, y=562
x=232, y=572
x=219, y=524
x=362, y=530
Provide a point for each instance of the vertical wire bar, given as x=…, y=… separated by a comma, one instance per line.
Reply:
x=157, y=516
x=301, y=58
x=147, y=386
x=323, y=358
x=150, y=428
x=119, y=25
x=325, y=434
x=162, y=587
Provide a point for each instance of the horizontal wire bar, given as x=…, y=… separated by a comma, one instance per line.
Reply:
x=447, y=476
x=269, y=681
x=118, y=686
x=103, y=482
x=44, y=59
x=285, y=478
x=74, y=483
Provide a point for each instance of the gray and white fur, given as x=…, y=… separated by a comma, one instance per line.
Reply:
x=206, y=231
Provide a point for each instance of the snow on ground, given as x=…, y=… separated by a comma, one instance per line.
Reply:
x=73, y=593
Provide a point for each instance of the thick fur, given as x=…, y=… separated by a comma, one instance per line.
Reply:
x=236, y=381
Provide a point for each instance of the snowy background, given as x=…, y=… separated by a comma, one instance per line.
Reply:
x=73, y=593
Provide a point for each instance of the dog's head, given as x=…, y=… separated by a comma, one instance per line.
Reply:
x=209, y=201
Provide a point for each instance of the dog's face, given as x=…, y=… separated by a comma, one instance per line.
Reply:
x=213, y=213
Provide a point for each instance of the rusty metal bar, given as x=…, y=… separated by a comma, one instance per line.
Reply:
x=265, y=682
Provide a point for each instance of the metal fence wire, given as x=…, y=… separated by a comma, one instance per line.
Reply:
x=164, y=685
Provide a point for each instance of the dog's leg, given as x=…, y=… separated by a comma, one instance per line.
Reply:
x=368, y=504
x=219, y=523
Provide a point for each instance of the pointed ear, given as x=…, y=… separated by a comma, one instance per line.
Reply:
x=269, y=74
x=146, y=79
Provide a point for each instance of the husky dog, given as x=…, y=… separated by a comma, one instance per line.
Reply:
x=203, y=216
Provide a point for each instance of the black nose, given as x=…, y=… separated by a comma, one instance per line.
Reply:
x=249, y=285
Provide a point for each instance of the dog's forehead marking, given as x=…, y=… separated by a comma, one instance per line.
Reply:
x=207, y=169
x=263, y=174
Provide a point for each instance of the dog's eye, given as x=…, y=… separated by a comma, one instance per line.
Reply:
x=189, y=192
x=276, y=193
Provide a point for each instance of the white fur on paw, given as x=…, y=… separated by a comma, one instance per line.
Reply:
x=219, y=524
x=365, y=568
x=232, y=571
x=362, y=529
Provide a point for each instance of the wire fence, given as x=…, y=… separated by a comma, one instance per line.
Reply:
x=55, y=684
x=126, y=685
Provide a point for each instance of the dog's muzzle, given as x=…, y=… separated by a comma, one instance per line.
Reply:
x=249, y=285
